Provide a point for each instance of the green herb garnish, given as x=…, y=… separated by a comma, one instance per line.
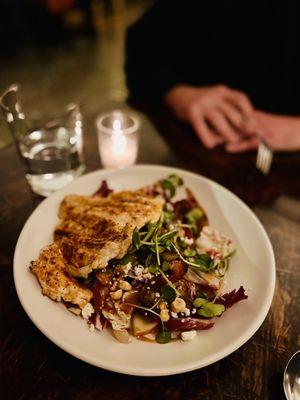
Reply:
x=211, y=310
x=168, y=281
x=192, y=264
x=168, y=187
x=126, y=259
x=163, y=337
x=136, y=239
x=199, y=302
x=171, y=184
x=176, y=180
x=203, y=261
x=193, y=217
x=168, y=293
x=207, y=308
x=189, y=252
x=168, y=217
x=165, y=266
x=153, y=269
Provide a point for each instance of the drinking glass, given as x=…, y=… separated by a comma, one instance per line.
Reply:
x=51, y=152
x=118, y=138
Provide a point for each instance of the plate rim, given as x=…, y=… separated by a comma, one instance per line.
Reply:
x=146, y=371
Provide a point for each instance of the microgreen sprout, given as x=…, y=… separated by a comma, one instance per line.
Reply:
x=207, y=308
x=168, y=293
x=168, y=281
x=163, y=337
x=192, y=264
x=171, y=184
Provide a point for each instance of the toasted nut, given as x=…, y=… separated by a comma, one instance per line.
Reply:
x=125, y=296
x=178, y=305
x=164, y=315
x=122, y=336
x=125, y=286
x=162, y=305
x=117, y=294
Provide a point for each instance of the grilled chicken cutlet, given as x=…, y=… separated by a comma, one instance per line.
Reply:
x=56, y=283
x=94, y=230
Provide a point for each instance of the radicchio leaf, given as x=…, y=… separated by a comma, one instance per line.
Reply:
x=182, y=207
x=103, y=190
x=188, y=324
x=229, y=299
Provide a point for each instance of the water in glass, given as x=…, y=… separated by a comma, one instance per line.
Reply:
x=52, y=153
x=52, y=158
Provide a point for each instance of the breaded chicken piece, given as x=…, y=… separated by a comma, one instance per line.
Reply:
x=52, y=274
x=95, y=230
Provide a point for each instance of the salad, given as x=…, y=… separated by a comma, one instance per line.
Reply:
x=169, y=284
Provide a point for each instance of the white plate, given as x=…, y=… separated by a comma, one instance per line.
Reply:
x=253, y=267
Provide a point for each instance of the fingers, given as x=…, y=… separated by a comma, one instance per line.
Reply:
x=232, y=114
x=242, y=146
x=222, y=126
x=241, y=101
x=206, y=135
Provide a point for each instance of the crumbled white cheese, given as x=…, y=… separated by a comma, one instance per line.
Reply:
x=91, y=327
x=98, y=324
x=87, y=311
x=141, y=274
x=194, y=310
x=174, y=314
x=214, y=242
x=188, y=335
x=186, y=312
x=126, y=268
x=188, y=241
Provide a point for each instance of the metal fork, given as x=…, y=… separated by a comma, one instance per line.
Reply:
x=264, y=157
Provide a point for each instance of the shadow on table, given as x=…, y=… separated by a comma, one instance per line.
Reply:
x=235, y=171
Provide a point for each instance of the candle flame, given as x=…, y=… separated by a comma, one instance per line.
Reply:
x=116, y=124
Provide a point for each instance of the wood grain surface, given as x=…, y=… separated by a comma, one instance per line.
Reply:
x=32, y=367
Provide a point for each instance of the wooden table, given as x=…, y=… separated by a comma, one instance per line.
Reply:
x=34, y=368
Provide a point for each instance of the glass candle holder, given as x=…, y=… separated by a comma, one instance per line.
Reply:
x=118, y=138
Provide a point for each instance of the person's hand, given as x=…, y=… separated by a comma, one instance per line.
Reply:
x=217, y=114
x=280, y=132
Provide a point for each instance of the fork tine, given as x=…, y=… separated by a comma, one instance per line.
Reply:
x=264, y=158
x=269, y=161
x=258, y=155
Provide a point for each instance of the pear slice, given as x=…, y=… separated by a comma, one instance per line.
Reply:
x=141, y=325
